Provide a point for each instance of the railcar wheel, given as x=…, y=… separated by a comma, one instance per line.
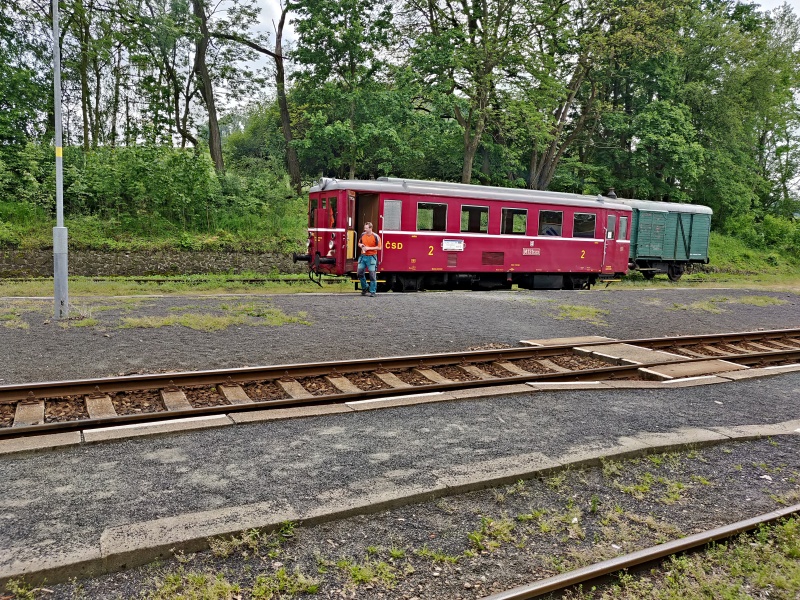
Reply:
x=674, y=272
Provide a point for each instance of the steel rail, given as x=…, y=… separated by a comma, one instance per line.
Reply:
x=610, y=372
x=16, y=392
x=641, y=557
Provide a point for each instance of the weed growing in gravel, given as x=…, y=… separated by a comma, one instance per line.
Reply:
x=436, y=555
x=766, y=564
x=252, y=543
x=21, y=590
x=534, y=515
x=492, y=534
x=639, y=489
x=573, y=312
x=283, y=583
x=397, y=553
x=611, y=469
x=368, y=572
x=184, y=584
x=556, y=482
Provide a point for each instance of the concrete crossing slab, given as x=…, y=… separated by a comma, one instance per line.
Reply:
x=567, y=341
x=627, y=354
x=705, y=367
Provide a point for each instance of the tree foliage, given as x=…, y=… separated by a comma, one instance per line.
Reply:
x=165, y=113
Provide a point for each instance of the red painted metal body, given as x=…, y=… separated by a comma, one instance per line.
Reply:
x=452, y=235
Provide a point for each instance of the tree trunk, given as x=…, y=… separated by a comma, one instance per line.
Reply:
x=206, y=87
x=115, y=98
x=83, y=41
x=292, y=162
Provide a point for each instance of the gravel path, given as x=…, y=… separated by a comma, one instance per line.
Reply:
x=77, y=492
x=468, y=546
x=33, y=348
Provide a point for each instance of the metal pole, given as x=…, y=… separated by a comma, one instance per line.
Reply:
x=60, y=277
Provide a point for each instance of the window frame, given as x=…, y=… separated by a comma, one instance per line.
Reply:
x=560, y=224
x=433, y=206
x=515, y=212
x=461, y=216
x=622, y=235
x=594, y=229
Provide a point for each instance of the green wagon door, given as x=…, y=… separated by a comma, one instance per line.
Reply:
x=701, y=229
x=650, y=234
x=683, y=235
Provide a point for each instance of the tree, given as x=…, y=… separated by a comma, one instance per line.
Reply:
x=341, y=44
x=465, y=51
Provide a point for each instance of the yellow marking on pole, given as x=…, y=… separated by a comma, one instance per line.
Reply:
x=59, y=151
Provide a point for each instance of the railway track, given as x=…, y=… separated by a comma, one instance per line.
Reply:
x=36, y=408
x=185, y=280
x=592, y=573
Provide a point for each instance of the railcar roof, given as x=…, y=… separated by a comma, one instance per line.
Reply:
x=463, y=190
x=667, y=206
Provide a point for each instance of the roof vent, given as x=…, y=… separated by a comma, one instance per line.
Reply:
x=611, y=194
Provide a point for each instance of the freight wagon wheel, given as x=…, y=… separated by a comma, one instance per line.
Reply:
x=674, y=272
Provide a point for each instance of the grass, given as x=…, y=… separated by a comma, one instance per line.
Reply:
x=712, y=305
x=246, y=314
x=196, y=285
x=574, y=312
x=765, y=564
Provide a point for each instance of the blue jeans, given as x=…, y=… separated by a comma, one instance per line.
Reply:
x=370, y=263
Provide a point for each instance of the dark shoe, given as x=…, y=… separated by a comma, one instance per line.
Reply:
x=372, y=295
x=363, y=292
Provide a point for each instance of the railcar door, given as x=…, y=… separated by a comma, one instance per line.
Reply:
x=367, y=209
x=610, y=244
x=351, y=234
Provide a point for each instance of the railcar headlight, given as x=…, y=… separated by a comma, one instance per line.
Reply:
x=331, y=244
x=333, y=235
x=308, y=244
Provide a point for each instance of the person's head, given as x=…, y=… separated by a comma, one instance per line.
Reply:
x=367, y=227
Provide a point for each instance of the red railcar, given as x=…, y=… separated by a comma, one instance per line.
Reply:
x=448, y=235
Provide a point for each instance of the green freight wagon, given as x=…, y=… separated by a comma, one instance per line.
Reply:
x=666, y=237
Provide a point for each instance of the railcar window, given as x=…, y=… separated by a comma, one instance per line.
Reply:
x=392, y=211
x=475, y=219
x=550, y=222
x=312, y=212
x=324, y=204
x=583, y=225
x=431, y=217
x=623, y=228
x=515, y=221
x=610, y=225
x=334, y=213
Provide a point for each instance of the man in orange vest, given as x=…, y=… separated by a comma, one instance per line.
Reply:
x=369, y=243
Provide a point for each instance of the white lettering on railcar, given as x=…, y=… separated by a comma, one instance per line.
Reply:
x=531, y=251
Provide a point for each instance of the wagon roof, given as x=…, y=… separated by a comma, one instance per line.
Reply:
x=666, y=206
x=464, y=190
